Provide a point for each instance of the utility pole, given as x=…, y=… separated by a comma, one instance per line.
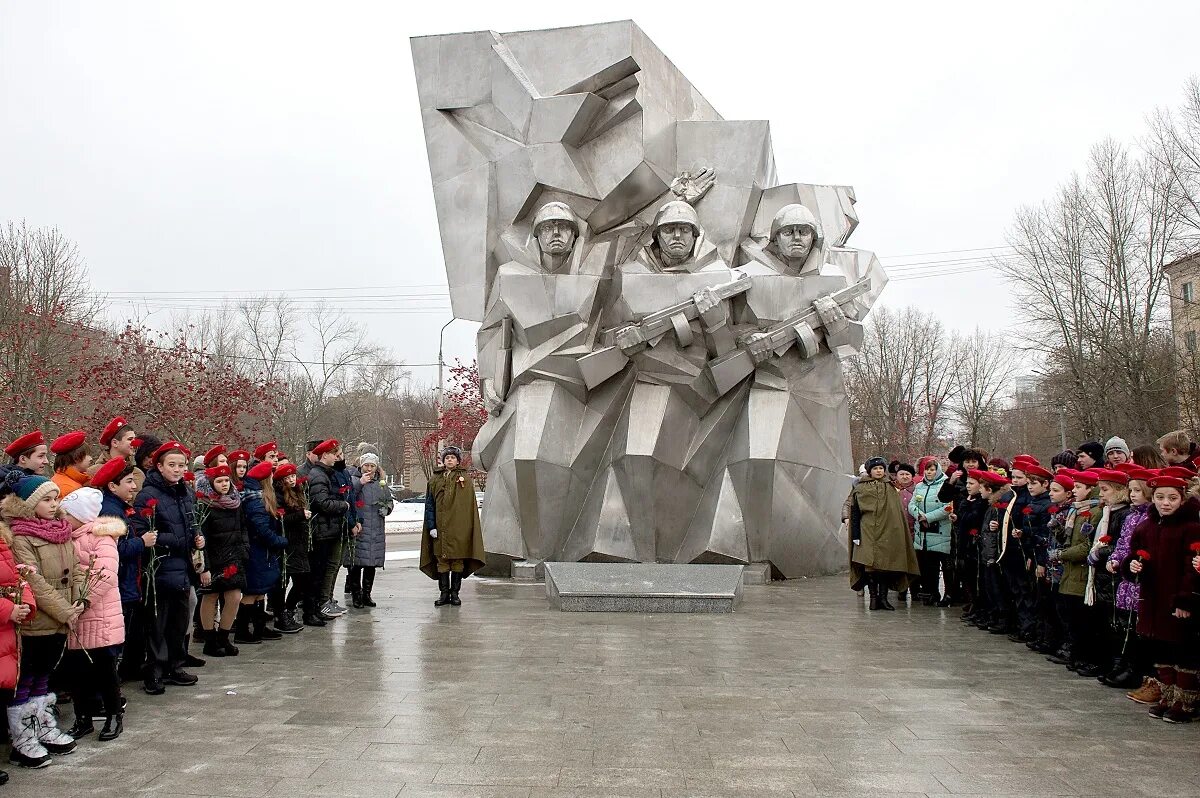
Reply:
x=441, y=378
x=1062, y=427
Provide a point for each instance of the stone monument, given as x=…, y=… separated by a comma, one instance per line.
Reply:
x=662, y=321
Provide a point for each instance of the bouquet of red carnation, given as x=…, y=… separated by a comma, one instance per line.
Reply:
x=1105, y=540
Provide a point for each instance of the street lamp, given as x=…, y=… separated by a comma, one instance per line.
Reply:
x=441, y=376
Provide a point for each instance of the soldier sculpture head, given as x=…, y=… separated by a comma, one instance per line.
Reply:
x=795, y=233
x=556, y=229
x=676, y=229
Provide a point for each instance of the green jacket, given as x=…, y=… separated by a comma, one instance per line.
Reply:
x=1074, y=555
x=884, y=545
x=451, y=508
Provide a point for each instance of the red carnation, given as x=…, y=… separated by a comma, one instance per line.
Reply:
x=188, y=476
x=301, y=480
x=152, y=503
x=129, y=512
x=344, y=489
x=1002, y=505
x=147, y=511
x=1196, y=547
x=281, y=512
x=972, y=532
x=1027, y=511
x=1105, y=540
x=1142, y=554
x=230, y=571
x=360, y=503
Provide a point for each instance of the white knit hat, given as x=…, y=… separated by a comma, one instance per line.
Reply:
x=83, y=504
x=1118, y=444
x=369, y=458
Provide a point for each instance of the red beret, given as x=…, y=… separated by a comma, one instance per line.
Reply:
x=1177, y=472
x=238, y=454
x=30, y=440
x=65, y=443
x=108, y=472
x=169, y=447
x=992, y=479
x=1126, y=467
x=1039, y=472
x=260, y=471
x=262, y=451
x=975, y=474
x=136, y=443
x=217, y=472
x=1162, y=480
x=213, y=453
x=1142, y=474
x=1088, y=477
x=1113, y=475
x=325, y=446
x=285, y=470
x=1064, y=477
x=110, y=430
x=1028, y=458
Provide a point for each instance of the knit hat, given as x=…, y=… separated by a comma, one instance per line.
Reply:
x=83, y=504
x=1066, y=459
x=373, y=459
x=1093, y=449
x=148, y=446
x=27, y=491
x=909, y=467
x=1118, y=444
x=872, y=462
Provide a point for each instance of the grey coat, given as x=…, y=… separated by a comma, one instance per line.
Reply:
x=371, y=545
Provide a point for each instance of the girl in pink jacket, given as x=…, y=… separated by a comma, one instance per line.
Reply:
x=96, y=639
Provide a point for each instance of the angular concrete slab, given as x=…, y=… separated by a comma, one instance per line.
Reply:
x=642, y=587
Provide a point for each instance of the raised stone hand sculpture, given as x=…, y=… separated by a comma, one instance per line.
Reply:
x=592, y=203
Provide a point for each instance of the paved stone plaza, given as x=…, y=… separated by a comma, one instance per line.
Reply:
x=800, y=692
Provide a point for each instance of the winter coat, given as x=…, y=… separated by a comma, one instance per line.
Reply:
x=452, y=509
x=1104, y=584
x=226, y=546
x=906, y=495
x=1035, y=532
x=1074, y=556
x=989, y=540
x=130, y=548
x=10, y=582
x=55, y=584
x=69, y=480
x=884, y=545
x=266, y=544
x=371, y=544
x=1058, y=530
x=1128, y=592
x=1012, y=536
x=328, y=505
x=970, y=511
x=347, y=486
x=102, y=623
x=173, y=516
x=1168, y=581
x=934, y=535
x=294, y=526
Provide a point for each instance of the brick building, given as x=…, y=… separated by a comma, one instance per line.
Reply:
x=1184, y=277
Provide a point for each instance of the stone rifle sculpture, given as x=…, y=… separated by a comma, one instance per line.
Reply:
x=661, y=320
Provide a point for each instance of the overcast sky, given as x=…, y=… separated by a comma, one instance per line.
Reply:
x=265, y=146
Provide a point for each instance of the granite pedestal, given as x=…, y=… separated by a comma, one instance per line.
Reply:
x=642, y=587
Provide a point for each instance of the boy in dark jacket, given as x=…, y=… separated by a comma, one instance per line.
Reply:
x=1035, y=542
x=165, y=506
x=1016, y=560
x=329, y=504
x=995, y=490
x=968, y=521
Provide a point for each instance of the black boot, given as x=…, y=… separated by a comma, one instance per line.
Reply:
x=83, y=722
x=188, y=660
x=444, y=584
x=212, y=646
x=884, y=604
x=455, y=584
x=368, y=582
x=223, y=638
x=242, y=633
x=356, y=598
x=285, y=622
x=113, y=726
x=874, y=590
x=261, y=627
x=311, y=616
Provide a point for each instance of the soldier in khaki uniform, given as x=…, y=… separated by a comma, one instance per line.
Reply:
x=452, y=540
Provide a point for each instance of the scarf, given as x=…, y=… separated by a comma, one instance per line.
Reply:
x=1089, y=593
x=227, y=501
x=56, y=531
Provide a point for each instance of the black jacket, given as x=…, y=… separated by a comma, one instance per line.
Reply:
x=226, y=545
x=329, y=508
x=970, y=511
x=1035, y=532
x=174, y=518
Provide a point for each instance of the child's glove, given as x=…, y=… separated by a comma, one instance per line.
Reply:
x=433, y=533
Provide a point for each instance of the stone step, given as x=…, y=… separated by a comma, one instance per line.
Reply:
x=642, y=587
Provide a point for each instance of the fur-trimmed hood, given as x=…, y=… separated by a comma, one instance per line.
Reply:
x=13, y=507
x=104, y=526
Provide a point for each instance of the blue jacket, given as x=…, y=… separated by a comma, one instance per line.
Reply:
x=936, y=535
x=174, y=519
x=266, y=544
x=129, y=549
x=345, y=478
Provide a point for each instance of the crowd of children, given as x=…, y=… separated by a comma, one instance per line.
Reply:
x=113, y=564
x=1092, y=560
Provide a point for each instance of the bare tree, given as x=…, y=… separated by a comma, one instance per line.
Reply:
x=984, y=374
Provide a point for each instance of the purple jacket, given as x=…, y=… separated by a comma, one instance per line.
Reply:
x=1128, y=592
